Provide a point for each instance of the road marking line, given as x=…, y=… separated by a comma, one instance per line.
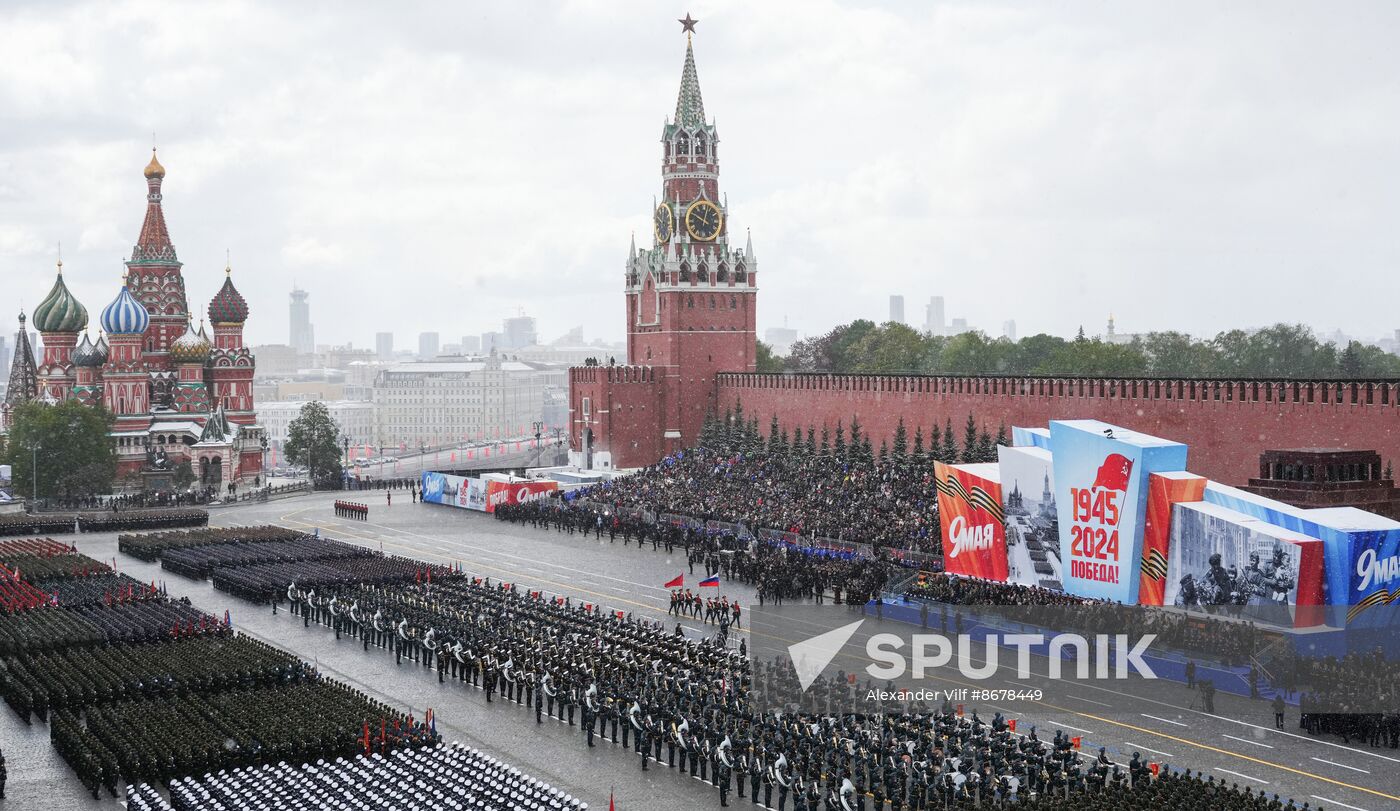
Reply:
x=1246, y=740
x=1245, y=776
x=1241, y=756
x=1343, y=765
x=1163, y=720
x=1338, y=802
x=1149, y=749
x=1076, y=729
x=1089, y=700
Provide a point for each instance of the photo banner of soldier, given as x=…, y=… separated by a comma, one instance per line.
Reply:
x=1100, y=473
x=1361, y=549
x=971, y=516
x=1226, y=562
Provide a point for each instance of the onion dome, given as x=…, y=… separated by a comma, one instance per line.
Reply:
x=59, y=311
x=154, y=169
x=125, y=315
x=87, y=354
x=192, y=347
x=101, y=347
x=228, y=306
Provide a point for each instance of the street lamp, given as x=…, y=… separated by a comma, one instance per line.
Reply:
x=539, y=431
x=34, y=473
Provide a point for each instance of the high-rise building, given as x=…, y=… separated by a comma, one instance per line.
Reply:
x=518, y=332
x=1008, y=329
x=897, y=309
x=427, y=345
x=491, y=341
x=301, y=335
x=471, y=344
x=384, y=345
x=780, y=339
x=959, y=326
x=933, y=316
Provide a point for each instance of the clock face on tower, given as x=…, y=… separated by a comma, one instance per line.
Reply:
x=703, y=220
x=664, y=222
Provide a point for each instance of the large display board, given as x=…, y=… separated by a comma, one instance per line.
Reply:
x=1101, y=493
x=1032, y=523
x=1227, y=562
x=970, y=514
x=454, y=491
x=1361, y=549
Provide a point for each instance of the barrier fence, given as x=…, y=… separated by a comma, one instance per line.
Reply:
x=910, y=558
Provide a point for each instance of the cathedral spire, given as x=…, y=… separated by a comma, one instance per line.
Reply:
x=690, y=107
x=153, y=245
x=24, y=376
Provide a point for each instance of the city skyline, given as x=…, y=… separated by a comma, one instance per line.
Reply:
x=1202, y=188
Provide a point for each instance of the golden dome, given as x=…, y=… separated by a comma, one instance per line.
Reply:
x=154, y=169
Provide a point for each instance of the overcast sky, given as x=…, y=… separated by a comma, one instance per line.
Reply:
x=434, y=166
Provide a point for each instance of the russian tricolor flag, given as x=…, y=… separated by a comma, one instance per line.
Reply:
x=712, y=581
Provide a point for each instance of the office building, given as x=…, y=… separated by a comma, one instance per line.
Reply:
x=491, y=341
x=780, y=339
x=959, y=326
x=301, y=335
x=427, y=345
x=449, y=401
x=1008, y=329
x=354, y=420
x=933, y=316
x=471, y=344
x=384, y=345
x=897, y=309
x=518, y=332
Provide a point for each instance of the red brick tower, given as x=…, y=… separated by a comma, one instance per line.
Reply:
x=154, y=278
x=691, y=301
x=230, y=362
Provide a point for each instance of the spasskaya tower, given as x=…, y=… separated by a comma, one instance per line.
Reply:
x=690, y=305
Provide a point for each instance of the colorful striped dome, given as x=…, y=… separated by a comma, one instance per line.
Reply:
x=59, y=311
x=228, y=305
x=125, y=315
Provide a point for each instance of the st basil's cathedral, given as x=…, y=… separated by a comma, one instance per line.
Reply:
x=176, y=391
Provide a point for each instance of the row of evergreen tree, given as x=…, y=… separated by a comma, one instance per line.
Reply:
x=737, y=432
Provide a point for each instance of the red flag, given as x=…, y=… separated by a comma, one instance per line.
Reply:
x=676, y=582
x=1076, y=740
x=1113, y=473
x=611, y=806
x=960, y=710
x=366, y=737
x=587, y=606
x=1011, y=724
x=1155, y=767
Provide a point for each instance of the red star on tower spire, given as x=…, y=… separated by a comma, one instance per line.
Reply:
x=688, y=24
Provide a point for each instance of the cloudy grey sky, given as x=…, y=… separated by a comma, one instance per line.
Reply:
x=418, y=166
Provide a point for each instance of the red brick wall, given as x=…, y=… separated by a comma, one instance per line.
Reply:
x=1226, y=423
x=627, y=412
